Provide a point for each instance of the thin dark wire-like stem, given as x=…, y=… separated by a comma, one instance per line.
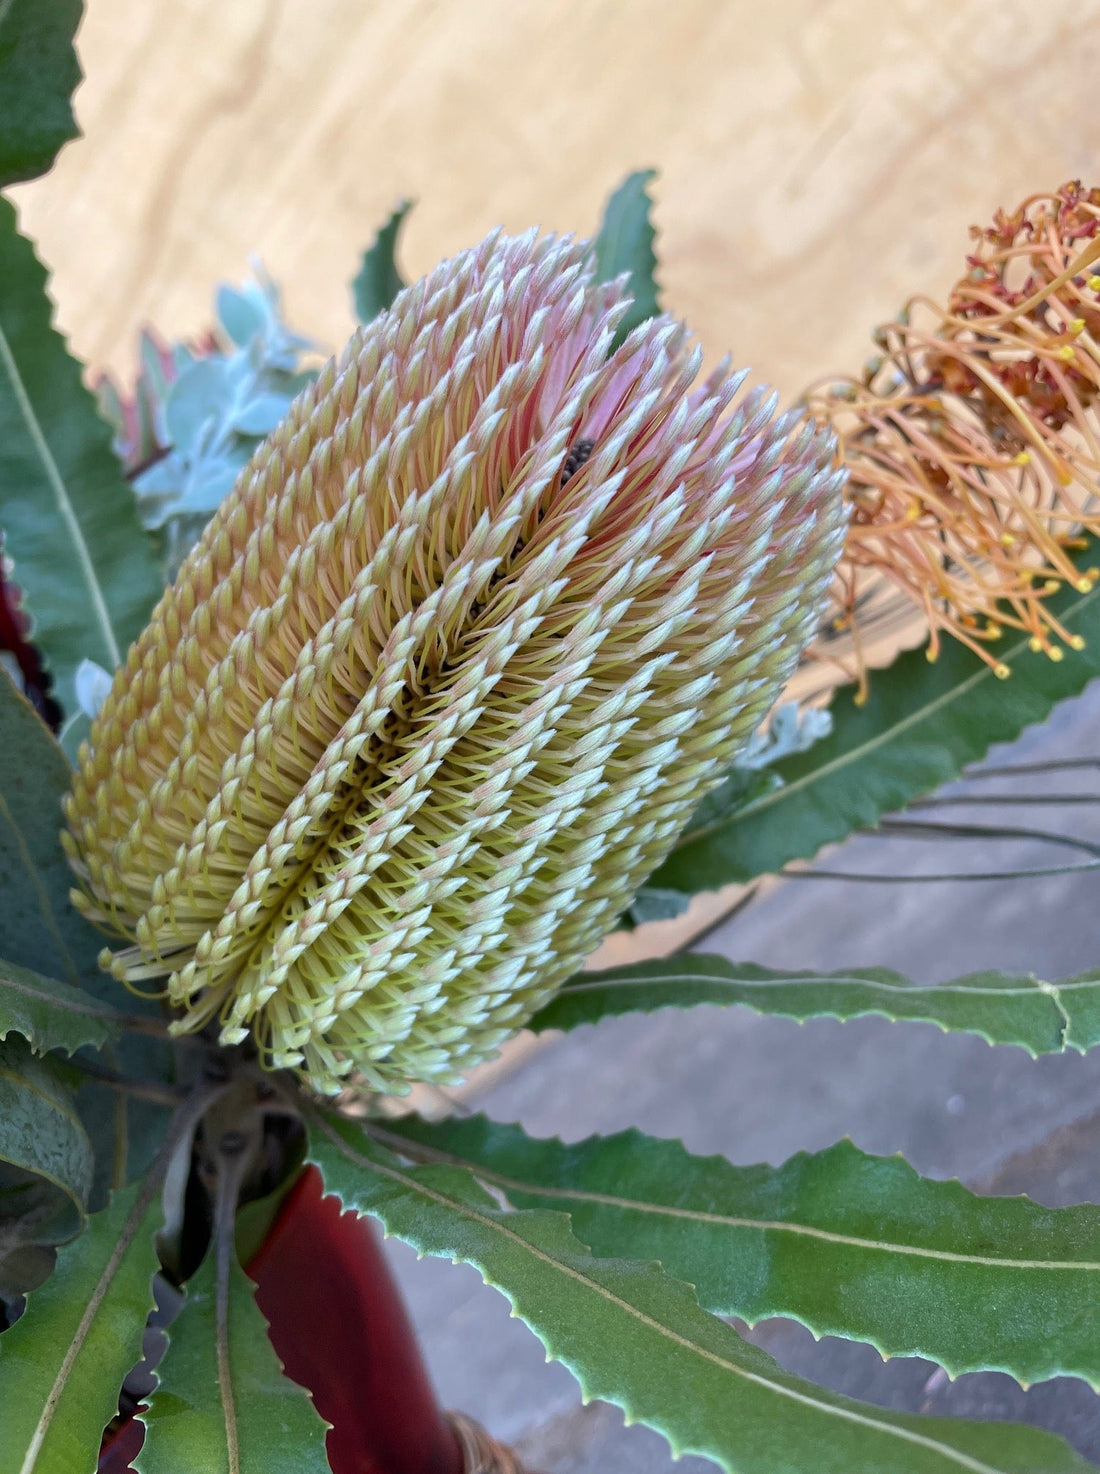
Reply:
x=140, y=1089
x=987, y=800
x=710, y=927
x=930, y=829
x=1054, y=765
x=894, y=878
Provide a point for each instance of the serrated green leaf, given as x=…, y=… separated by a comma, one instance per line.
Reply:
x=624, y=244
x=1004, y=1008
x=70, y=524
x=378, y=280
x=634, y=1336
x=276, y=1428
x=42, y=931
x=51, y=1014
x=63, y=1363
x=41, y=1134
x=38, y=72
x=45, y=1167
x=851, y=1245
x=921, y=725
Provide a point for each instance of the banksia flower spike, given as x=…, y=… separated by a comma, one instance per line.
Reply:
x=972, y=440
x=476, y=629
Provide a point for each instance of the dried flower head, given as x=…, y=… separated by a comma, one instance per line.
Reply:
x=479, y=625
x=972, y=440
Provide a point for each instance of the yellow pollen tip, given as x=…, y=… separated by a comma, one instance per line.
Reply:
x=912, y=512
x=1002, y=671
x=1066, y=353
x=1007, y=540
x=1035, y=644
x=931, y=655
x=1052, y=586
x=1056, y=653
x=1076, y=642
x=1093, y=283
x=1077, y=326
x=1023, y=459
x=1083, y=585
x=993, y=630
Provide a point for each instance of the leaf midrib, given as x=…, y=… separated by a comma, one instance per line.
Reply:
x=103, y=1284
x=844, y=980
x=725, y=1220
x=963, y=1461
x=61, y=496
x=69, y=1005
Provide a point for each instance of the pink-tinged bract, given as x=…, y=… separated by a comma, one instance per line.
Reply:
x=480, y=624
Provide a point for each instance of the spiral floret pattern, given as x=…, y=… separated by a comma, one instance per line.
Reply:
x=480, y=624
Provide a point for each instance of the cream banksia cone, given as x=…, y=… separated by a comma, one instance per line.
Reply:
x=480, y=624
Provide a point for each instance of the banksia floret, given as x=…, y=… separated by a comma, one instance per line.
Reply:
x=972, y=440
x=479, y=625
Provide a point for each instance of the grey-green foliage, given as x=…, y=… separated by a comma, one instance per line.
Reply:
x=217, y=411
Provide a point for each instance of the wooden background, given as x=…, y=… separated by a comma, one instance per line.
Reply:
x=819, y=159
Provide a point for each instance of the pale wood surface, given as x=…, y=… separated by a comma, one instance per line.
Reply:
x=820, y=159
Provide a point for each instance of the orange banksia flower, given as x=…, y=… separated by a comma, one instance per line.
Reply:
x=972, y=440
x=479, y=625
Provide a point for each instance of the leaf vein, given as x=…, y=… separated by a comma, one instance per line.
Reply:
x=61, y=495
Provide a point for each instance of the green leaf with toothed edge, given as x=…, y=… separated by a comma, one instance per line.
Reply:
x=64, y=1361
x=45, y=1166
x=45, y=934
x=921, y=725
x=624, y=244
x=51, y=1014
x=41, y=1135
x=849, y=1244
x=1004, y=1008
x=41, y=931
x=38, y=72
x=379, y=281
x=69, y=520
x=635, y=1336
x=269, y=1426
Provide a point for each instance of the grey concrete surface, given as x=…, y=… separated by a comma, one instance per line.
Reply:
x=758, y=1089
